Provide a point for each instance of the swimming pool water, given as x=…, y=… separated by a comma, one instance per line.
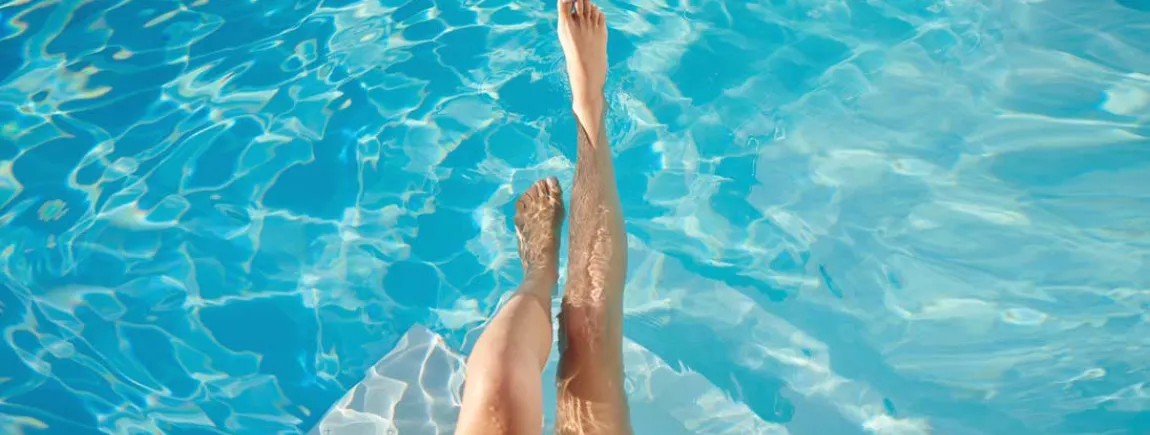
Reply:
x=851, y=216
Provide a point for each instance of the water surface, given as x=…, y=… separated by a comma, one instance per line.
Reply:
x=882, y=216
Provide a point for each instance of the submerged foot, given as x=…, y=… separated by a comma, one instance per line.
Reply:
x=538, y=217
x=583, y=35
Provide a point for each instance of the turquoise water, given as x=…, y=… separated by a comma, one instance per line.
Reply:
x=883, y=216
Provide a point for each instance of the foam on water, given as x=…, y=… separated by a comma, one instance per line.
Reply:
x=879, y=216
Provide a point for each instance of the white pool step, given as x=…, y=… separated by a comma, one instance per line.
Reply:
x=415, y=390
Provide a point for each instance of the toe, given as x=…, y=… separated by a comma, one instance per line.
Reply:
x=584, y=8
x=536, y=192
x=523, y=205
x=553, y=189
x=564, y=7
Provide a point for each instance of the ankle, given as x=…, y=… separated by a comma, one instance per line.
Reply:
x=589, y=114
x=592, y=102
x=540, y=284
x=548, y=274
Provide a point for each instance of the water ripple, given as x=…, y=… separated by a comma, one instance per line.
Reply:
x=895, y=216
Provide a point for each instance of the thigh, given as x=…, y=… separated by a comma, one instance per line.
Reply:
x=591, y=396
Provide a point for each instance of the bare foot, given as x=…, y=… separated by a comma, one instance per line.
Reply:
x=583, y=35
x=538, y=217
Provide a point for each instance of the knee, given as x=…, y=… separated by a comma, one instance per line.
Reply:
x=586, y=325
x=500, y=376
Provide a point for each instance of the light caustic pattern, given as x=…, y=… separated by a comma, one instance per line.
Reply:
x=865, y=216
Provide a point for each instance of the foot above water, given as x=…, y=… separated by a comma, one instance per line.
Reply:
x=583, y=36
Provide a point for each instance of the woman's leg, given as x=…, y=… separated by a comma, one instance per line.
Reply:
x=503, y=392
x=591, y=395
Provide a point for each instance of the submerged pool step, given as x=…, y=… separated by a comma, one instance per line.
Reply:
x=415, y=390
